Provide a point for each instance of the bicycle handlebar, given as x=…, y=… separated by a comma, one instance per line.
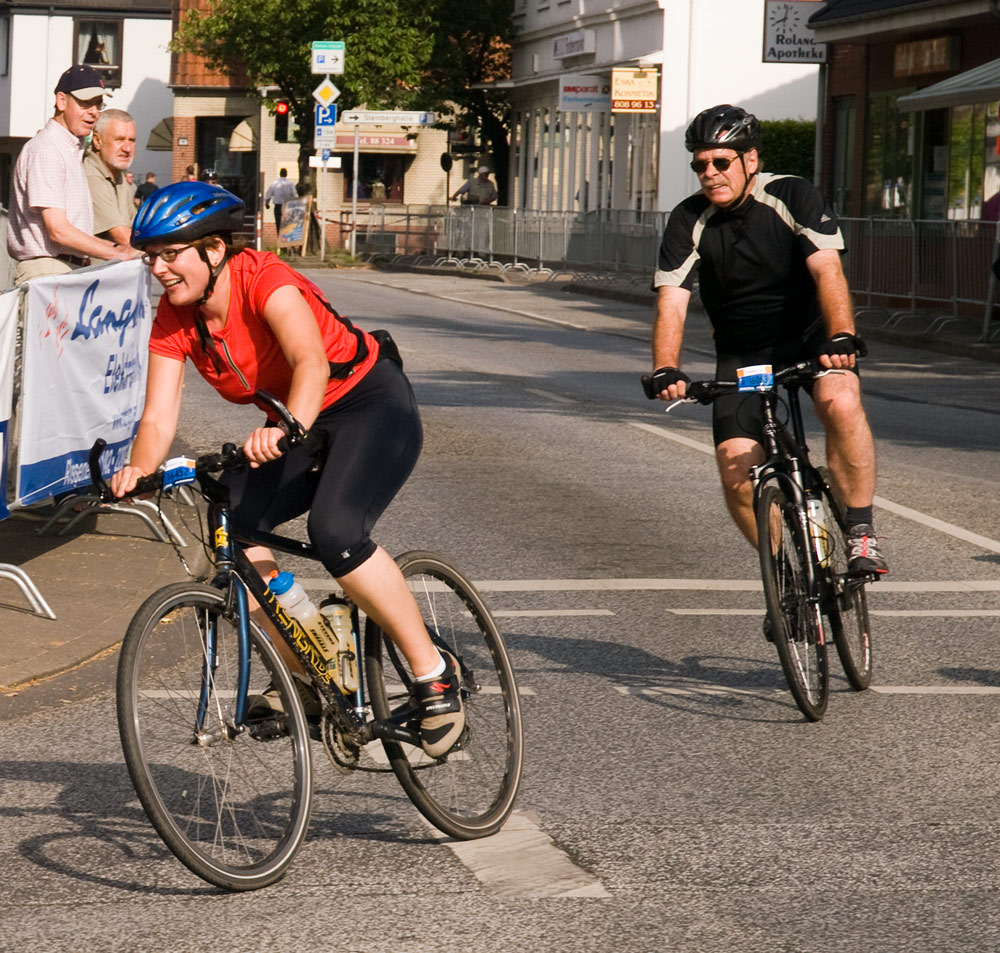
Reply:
x=230, y=458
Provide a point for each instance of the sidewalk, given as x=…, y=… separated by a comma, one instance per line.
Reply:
x=93, y=578
x=98, y=574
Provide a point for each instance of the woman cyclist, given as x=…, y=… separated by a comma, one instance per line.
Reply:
x=248, y=321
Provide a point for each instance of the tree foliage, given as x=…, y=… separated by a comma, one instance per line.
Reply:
x=788, y=146
x=388, y=44
x=472, y=45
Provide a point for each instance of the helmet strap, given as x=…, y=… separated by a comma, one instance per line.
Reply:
x=747, y=177
x=204, y=338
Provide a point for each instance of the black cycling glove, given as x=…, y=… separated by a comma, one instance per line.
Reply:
x=846, y=344
x=661, y=379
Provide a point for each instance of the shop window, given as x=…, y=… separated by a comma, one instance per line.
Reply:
x=974, y=162
x=98, y=43
x=889, y=169
x=844, y=122
x=380, y=176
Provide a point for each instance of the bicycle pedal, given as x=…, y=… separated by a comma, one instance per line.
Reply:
x=269, y=729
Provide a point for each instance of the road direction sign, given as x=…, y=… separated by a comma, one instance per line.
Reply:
x=396, y=117
x=325, y=126
x=326, y=92
x=328, y=56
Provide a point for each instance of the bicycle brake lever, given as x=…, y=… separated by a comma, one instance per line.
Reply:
x=680, y=400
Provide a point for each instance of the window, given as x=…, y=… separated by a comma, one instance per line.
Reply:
x=844, y=120
x=98, y=43
x=974, y=162
x=380, y=176
x=889, y=169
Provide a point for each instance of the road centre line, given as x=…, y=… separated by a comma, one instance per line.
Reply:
x=932, y=522
x=899, y=613
x=522, y=861
x=558, y=398
x=546, y=613
x=707, y=689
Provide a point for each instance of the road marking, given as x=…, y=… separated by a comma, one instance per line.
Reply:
x=547, y=613
x=932, y=522
x=558, y=398
x=705, y=689
x=902, y=613
x=687, y=585
x=521, y=860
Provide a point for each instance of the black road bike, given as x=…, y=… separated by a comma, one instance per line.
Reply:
x=230, y=793
x=802, y=543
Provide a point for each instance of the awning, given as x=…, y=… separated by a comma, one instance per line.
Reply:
x=161, y=138
x=978, y=85
x=246, y=135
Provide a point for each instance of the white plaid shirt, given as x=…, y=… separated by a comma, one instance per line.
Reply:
x=48, y=174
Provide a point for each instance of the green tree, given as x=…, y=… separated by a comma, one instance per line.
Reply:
x=472, y=45
x=788, y=146
x=388, y=44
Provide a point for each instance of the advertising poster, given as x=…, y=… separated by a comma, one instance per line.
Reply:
x=295, y=223
x=84, y=375
x=9, y=307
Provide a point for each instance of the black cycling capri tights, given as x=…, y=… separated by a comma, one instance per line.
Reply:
x=374, y=439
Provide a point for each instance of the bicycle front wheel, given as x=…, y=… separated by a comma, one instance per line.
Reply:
x=795, y=619
x=849, y=614
x=469, y=792
x=232, y=802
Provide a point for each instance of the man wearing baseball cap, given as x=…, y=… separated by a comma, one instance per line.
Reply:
x=51, y=228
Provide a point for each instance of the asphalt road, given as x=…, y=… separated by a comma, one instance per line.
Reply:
x=673, y=798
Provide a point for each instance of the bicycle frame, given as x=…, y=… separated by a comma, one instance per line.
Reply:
x=238, y=576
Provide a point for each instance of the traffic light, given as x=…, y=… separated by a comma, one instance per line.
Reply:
x=281, y=111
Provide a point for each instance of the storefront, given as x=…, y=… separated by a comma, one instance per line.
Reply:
x=911, y=126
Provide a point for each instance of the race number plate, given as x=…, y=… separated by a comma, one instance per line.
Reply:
x=757, y=377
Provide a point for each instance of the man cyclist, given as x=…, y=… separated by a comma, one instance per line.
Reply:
x=767, y=257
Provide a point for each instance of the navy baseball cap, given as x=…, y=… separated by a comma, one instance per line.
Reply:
x=84, y=82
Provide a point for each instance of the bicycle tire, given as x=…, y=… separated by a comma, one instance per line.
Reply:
x=849, y=617
x=231, y=805
x=470, y=792
x=796, y=621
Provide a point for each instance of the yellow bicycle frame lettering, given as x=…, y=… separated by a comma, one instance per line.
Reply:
x=302, y=640
x=221, y=537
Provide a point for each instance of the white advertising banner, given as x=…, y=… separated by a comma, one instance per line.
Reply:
x=84, y=377
x=581, y=92
x=9, y=309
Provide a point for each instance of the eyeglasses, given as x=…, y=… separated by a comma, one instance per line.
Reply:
x=167, y=254
x=720, y=162
x=96, y=103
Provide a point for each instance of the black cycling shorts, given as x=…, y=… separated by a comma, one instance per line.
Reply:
x=374, y=437
x=738, y=415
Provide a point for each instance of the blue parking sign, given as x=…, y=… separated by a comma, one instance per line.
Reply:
x=326, y=115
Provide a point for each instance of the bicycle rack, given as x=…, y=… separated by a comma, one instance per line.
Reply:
x=30, y=591
x=85, y=505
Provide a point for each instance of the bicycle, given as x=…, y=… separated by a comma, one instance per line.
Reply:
x=801, y=540
x=230, y=793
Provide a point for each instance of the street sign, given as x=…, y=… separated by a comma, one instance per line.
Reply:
x=326, y=92
x=324, y=161
x=328, y=56
x=324, y=131
x=396, y=117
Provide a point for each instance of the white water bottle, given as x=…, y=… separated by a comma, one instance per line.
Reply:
x=338, y=617
x=818, y=532
x=293, y=599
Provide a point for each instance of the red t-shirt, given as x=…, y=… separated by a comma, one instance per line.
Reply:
x=251, y=357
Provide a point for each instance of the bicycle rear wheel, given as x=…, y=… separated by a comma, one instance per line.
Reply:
x=469, y=792
x=849, y=616
x=795, y=619
x=232, y=803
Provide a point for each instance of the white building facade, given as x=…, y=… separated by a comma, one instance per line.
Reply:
x=128, y=44
x=588, y=158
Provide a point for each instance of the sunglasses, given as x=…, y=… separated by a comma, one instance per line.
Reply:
x=167, y=254
x=721, y=163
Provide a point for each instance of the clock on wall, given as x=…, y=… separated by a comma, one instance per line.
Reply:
x=784, y=17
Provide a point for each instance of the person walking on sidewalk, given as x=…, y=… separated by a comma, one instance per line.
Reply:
x=250, y=322
x=767, y=256
x=281, y=190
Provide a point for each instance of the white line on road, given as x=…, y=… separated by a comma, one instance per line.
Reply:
x=558, y=398
x=546, y=613
x=935, y=689
x=705, y=688
x=522, y=861
x=902, y=613
x=932, y=522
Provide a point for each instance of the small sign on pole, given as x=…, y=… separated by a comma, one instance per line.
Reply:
x=328, y=56
x=395, y=117
x=325, y=126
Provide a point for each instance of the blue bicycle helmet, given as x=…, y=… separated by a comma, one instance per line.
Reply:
x=185, y=211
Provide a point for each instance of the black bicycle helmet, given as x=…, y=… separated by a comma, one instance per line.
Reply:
x=185, y=211
x=723, y=127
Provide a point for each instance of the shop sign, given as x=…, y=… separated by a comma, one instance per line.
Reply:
x=634, y=90
x=787, y=36
x=937, y=55
x=574, y=44
x=372, y=142
x=583, y=93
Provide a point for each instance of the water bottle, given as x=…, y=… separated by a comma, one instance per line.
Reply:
x=293, y=599
x=338, y=617
x=817, y=530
